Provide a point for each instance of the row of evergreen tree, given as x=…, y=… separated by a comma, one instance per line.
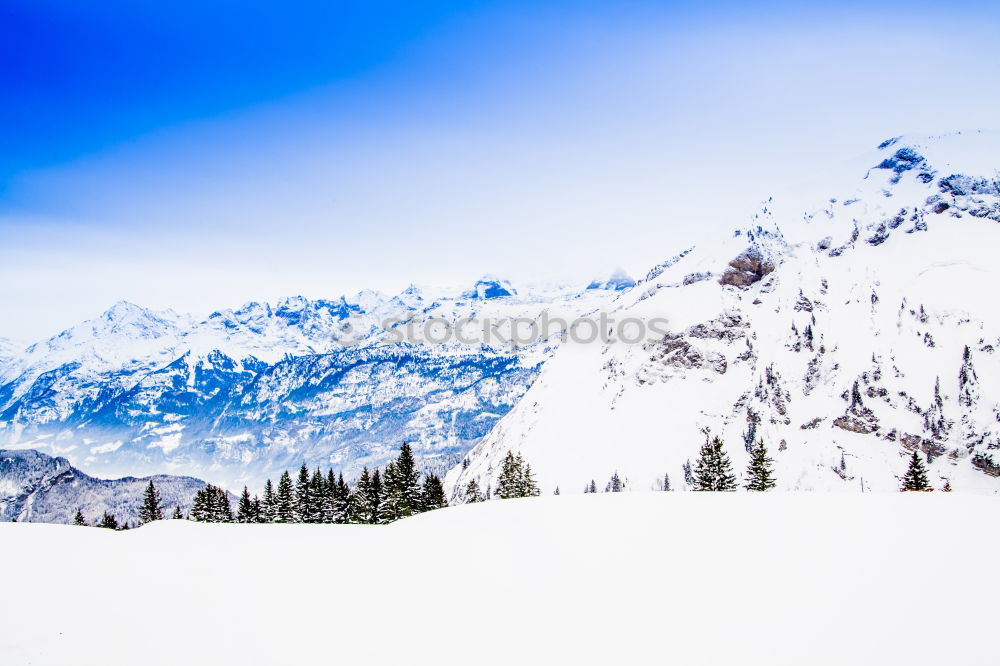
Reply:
x=380, y=497
x=712, y=471
x=516, y=480
x=377, y=497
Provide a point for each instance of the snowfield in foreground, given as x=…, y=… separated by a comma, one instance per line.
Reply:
x=694, y=578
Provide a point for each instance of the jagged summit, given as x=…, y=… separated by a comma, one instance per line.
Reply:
x=128, y=317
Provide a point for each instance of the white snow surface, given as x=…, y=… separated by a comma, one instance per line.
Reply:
x=696, y=578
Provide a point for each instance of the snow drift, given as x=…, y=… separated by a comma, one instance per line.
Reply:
x=696, y=578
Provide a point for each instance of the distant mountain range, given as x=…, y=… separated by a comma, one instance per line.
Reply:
x=244, y=394
x=38, y=488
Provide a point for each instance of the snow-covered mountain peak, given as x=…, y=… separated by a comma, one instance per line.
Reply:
x=368, y=300
x=128, y=319
x=619, y=280
x=489, y=287
x=972, y=152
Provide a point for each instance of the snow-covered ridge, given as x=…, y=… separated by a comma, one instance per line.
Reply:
x=882, y=280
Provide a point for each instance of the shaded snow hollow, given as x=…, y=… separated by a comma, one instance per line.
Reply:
x=692, y=578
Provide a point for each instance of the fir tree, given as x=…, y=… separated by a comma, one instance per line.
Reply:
x=516, y=479
x=244, y=511
x=402, y=486
x=556, y=491
x=688, y=474
x=222, y=511
x=916, y=475
x=150, y=509
x=367, y=500
x=760, y=469
x=947, y=486
x=615, y=485
x=342, y=501
x=713, y=471
x=108, y=521
x=255, y=512
x=409, y=489
x=510, y=477
x=390, y=508
x=199, y=506
x=269, y=505
x=750, y=436
x=177, y=514
x=376, y=495
x=317, y=498
x=967, y=380
x=529, y=487
x=856, y=402
x=211, y=505
x=303, y=496
x=432, y=495
x=934, y=419
x=666, y=482
x=284, y=511
x=472, y=493
x=330, y=498
x=590, y=487
x=78, y=519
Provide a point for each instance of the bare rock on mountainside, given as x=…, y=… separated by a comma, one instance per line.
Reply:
x=747, y=268
x=856, y=424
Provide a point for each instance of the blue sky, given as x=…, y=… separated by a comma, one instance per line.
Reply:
x=197, y=155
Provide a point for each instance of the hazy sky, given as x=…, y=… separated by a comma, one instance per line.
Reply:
x=198, y=155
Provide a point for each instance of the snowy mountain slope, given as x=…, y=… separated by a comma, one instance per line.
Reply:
x=35, y=487
x=243, y=394
x=572, y=580
x=883, y=287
